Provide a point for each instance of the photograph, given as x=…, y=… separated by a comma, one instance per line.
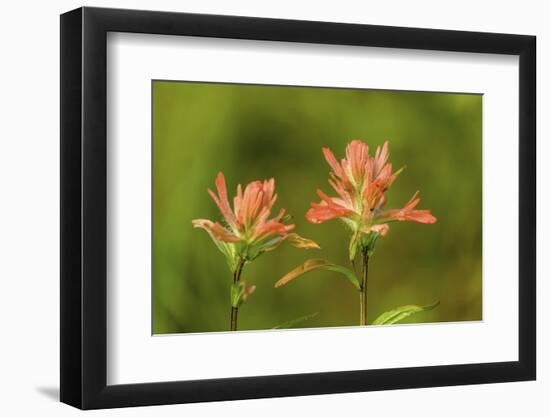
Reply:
x=288, y=207
x=267, y=209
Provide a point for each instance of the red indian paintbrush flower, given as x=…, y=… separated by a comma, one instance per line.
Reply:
x=361, y=181
x=248, y=231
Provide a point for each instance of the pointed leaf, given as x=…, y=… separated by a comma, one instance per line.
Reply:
x=314, y=264
x=301, y=242
x=400, y=313
x=291, y=323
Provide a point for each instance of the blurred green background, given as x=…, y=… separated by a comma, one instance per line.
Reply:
x=254, y=132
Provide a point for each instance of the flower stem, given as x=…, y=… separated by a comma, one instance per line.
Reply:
x=235, y=310
x=363, y=292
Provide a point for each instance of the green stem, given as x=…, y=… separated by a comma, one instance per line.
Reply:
x=235, y=310
x=363, y=290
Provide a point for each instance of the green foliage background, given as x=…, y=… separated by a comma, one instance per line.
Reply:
x=255, y=132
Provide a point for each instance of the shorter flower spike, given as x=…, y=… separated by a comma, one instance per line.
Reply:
x=248, y=231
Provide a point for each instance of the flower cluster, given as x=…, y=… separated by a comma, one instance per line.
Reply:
x=248, y=230
x=361, y=181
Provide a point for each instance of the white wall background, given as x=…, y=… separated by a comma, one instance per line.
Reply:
x=29, y=226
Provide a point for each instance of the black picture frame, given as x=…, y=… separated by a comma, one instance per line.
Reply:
x=84, y=207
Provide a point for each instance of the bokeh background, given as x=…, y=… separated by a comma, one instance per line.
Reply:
x=254, y=132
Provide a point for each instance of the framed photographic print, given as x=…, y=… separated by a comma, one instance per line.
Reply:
x=258, y=207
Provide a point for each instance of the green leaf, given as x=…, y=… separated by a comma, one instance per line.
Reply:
x=251, y=252
x=228, y=249
x=353, y=245
x=240, y=293
x=400, y=313
x=314, y=264
x=237, y=292
x=291, y=323
x=371, y=242
x=231, y=257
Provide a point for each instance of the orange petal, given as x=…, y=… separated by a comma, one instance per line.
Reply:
x=380, y=228
x=237, y=201
x=413, y=202
x=408, y=213
x=380, y=158
x=421, y=216
x=271, y=228
x=222, y=201
x=319, y=213
x=215, y=230
x=329, y=156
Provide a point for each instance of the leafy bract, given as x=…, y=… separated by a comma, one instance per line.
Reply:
x=315, y=264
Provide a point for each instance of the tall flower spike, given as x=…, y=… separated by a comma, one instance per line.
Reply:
x=360, y=182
